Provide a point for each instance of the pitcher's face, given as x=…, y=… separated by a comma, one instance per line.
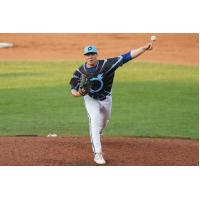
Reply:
x=91, y=59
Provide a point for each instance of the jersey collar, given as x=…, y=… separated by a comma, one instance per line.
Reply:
x=85, y=65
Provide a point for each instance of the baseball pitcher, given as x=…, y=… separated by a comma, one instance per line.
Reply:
x=93, y=80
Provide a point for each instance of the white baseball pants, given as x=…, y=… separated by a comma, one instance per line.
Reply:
x=99, y=113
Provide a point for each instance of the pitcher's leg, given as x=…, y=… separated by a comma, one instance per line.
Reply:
x=95, y=134
x=93, y=110
x=105, y=113
x=103, y=118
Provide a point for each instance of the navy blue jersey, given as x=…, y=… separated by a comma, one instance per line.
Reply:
x=101, y=76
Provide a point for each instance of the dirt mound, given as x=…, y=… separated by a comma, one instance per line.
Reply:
x=62, y=151
x=169, y=48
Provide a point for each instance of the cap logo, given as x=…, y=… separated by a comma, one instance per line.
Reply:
x=89, y=48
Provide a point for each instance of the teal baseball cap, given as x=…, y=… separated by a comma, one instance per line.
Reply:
x=89, y=49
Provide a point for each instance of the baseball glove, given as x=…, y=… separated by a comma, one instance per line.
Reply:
x=84, y=87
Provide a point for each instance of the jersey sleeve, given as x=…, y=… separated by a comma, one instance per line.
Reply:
x=113, y=63
x=126, y=57
x=75, y=80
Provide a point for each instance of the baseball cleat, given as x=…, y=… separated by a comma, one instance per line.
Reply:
x=98, y=158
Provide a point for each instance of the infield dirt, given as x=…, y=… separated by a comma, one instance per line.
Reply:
x=169, y=48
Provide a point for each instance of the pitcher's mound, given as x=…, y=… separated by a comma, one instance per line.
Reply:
x=77, y=151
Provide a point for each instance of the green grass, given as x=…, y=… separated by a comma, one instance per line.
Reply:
x=149, y=100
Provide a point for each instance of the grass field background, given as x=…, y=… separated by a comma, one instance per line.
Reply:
x=149, y=100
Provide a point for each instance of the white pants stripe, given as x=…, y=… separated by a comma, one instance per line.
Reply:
x=99, y=113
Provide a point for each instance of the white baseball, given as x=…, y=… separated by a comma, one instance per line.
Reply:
x=153, y=38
